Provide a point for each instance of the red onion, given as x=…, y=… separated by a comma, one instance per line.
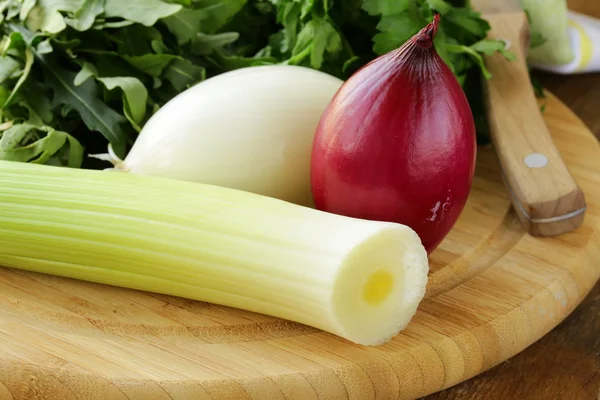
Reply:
x=397, y=143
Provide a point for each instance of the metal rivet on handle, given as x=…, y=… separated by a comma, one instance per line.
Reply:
x=536, y=160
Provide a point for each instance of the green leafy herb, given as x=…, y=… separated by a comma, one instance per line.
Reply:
x=8, y=68
x=85, y=16
x=182, y=74
x=145, y=12
x=84, y=99
x=77, y=73
x=185, y=24
x=42, y=145
x=538, y=88
x=135, y=96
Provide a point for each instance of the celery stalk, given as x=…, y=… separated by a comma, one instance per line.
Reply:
x=361, y=280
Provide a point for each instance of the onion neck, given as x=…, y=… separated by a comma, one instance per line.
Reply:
x=426, y=36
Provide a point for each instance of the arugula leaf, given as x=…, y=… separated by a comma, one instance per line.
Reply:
x=14, y=44
x=103, y=24
x=231, y=62
x=151, y=64
x=26, y=70
x=8, y=68
x=44, y=47
x=60, y=5
x=33, y=118
x=182, y=74
x=206, y=44
x=26, y=9
x=88, y=70
x=85, y=16
x=41, y=149
x=69, y=155
x=112, y=64
x=185, y=24
x=37, y=103
x=135, y=96
x=217, y=13
x=10, y=9
x=135, y=40
x=85, y=100
x=145, y=12
x=13, y=136
x=44, y=17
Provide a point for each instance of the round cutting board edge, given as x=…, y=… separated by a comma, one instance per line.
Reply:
x=493, y=292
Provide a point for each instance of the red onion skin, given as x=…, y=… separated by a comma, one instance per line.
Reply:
x=397, y=143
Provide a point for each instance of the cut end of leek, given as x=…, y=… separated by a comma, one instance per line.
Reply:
x=379, y=286
x=359, y=279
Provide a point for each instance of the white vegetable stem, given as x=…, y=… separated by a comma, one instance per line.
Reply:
x=359, y=279
x=250, y=129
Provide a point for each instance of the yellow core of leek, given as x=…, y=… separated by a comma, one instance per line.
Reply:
x=378, y=287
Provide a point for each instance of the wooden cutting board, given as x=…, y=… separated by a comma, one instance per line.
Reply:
x=493, y=291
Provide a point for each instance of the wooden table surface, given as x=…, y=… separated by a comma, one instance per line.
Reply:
x=565, y=364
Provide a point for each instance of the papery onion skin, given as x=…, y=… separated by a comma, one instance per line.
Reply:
x=397, y=143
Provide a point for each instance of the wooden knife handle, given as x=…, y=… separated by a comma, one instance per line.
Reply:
x=544, y=194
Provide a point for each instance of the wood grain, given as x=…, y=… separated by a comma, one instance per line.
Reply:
x=65, y=339
x=546, y=197
x=564, y=364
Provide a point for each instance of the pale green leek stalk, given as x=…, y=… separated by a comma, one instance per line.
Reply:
x=361, y=280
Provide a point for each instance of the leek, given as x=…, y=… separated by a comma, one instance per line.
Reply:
x=358, y=279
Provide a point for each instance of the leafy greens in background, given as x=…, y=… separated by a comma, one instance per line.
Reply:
x=78, y=74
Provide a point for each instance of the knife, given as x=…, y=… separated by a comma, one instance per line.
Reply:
x=545, y=196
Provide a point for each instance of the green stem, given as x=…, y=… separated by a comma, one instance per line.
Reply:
x=458, y=49
x=298, y=58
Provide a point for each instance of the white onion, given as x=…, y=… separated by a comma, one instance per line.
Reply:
x=250, y=129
